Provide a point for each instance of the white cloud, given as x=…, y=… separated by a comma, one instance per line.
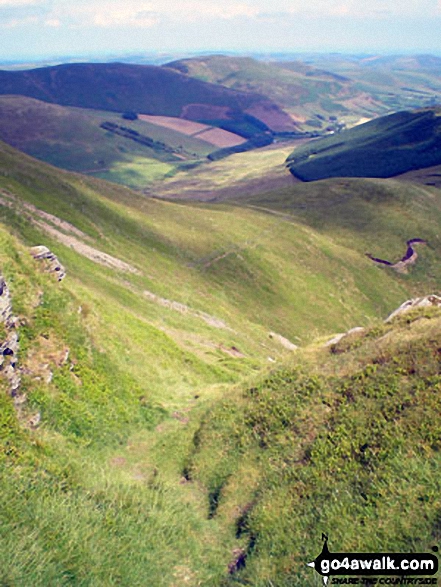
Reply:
x=53, y=22
x=14, y=23
x=18, y=3
x=124, y=15
x=357, y=8
x=119, y=14
x=146, y=13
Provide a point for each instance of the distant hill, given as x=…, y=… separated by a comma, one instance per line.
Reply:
x=310, y=94
x=327, y=91
x=399, y=82
x=384, y=147
x=100, y=143
x=143, y=89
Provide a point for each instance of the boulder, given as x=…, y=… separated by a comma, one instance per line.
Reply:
x=42, y=252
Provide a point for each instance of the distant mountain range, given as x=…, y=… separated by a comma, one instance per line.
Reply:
x=327, y=91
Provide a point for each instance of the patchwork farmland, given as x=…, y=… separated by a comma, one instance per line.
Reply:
x=212, y=135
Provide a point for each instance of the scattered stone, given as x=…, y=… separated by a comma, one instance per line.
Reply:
x=64, y=358
x=338, y=337
x=19, y=400
x=35, y=420
x=232, y=351
x=290, y=346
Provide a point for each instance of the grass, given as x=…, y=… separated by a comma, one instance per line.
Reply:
x=347, y=210
x=230, y=177
x=385, y=147
x=72, y=139
x=156, y=458
x=340, y=444
x=137, y=173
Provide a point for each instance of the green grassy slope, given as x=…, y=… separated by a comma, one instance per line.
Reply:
x=369, y=215
x=384, y=147
x=344, y=441
x=101, y=492
x=224, y=258
x=236, y=176
x=73, y=139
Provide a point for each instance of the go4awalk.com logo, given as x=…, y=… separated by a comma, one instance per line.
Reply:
x=373, y=569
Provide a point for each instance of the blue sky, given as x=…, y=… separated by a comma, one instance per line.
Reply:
x=41, y=28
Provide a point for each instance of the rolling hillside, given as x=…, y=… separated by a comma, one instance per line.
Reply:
x=311, y=95
x=385, y=147
x=399, y=82
x=132, y=152
x=144, y=89
x=143, y=438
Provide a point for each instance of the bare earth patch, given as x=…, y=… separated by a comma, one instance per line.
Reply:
x=184, y=309
x=212, y=135
x=41, y=220
x=220, y=138
x=273, y=117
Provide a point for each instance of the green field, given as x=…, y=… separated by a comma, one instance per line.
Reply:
x=232, y=177
x=179, y=435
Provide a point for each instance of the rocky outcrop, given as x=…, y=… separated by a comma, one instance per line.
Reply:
x=54, y=265
x=424, y=302
x=5, y=304
x=10, y=345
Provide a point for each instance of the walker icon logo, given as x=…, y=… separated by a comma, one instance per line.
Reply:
x=333, y=564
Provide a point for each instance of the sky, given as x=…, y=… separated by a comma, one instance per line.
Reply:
x=45, y=28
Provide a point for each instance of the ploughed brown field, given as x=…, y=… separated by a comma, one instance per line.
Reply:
x=214, y=136
x=220, y=138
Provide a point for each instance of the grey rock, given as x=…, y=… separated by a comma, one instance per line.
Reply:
x=424, y=302
x=42, y=252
